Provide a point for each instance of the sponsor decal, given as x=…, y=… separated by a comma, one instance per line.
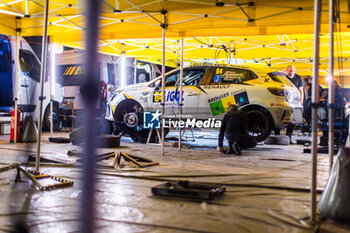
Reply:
x=170, y=96
x=216, y=98
x=241, y=99
x=217, y=108
x=157, y=96
x=217, y=79
x=233, y=76
x=219, y=105
x=216, y=87
x=219, y=70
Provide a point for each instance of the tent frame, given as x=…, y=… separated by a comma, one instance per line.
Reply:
x=315, y=105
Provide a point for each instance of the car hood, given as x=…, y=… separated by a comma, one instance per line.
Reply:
x=138, y=85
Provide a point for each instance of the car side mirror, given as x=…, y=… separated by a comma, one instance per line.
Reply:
x=111, y=89
x=157, y=86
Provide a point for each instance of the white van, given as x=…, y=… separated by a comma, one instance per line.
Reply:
x=28, y=81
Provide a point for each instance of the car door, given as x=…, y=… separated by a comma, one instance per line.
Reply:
x=190, y=93
x=192, y=78
x=225, y=86
x=170, y=98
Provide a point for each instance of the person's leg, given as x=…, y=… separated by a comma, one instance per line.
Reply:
x=277, y=131
x=308, y=118
x=230, y=141
x=305, y=127
x=233, y=147
x=290, y=129
x=246, y=142
x=289, y=133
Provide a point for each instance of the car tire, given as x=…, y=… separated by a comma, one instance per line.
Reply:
x=277, y=140
x=59, y=140
x=259, y=125
x=76, y=136
x=142, y=135
x=105, y=126
x=56, y=117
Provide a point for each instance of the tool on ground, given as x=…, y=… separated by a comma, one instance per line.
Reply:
x=321, y=149
x=6, y=168
x=43, y=181
x=138, y=161
x=187, y=189
x=117, y=162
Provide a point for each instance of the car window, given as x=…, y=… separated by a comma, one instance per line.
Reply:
x=29, y=64
x=228, y=75
x=171, y=80
x=193, y=77
x=280, y=77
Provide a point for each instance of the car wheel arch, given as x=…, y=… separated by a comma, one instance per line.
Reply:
x=261, y=109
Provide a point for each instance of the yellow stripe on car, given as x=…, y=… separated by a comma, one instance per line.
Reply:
x=127, y=96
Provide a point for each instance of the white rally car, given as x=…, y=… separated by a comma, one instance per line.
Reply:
x=271, y=100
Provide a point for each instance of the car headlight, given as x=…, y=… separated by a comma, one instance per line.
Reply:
x=278, y=91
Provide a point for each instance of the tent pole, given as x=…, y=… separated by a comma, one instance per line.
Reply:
x=89, y=92
x=163, y=80
x=18, y=41
x=315, y=103
x=51, y=93
x=42, y=82
x=331, y=86
x=180, y=96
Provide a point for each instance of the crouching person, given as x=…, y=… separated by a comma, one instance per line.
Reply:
x=234, y=128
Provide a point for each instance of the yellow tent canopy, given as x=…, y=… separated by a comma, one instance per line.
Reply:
x=263, y=32
x=131, y=19
x=275, y=51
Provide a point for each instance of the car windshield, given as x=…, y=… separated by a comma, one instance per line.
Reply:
x=280, y=77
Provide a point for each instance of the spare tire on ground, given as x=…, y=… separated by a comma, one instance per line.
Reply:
x=277, y=140
x=107, y=141
x=59, y=140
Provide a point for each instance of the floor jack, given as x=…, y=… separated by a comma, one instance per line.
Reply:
x=42, y=181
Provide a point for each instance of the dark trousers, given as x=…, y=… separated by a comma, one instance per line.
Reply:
x=289, y=131
x=244, y=141
x=307, y=116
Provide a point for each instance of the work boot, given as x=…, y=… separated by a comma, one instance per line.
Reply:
x=237, y=149
x=234, y=149
x=229, y=150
